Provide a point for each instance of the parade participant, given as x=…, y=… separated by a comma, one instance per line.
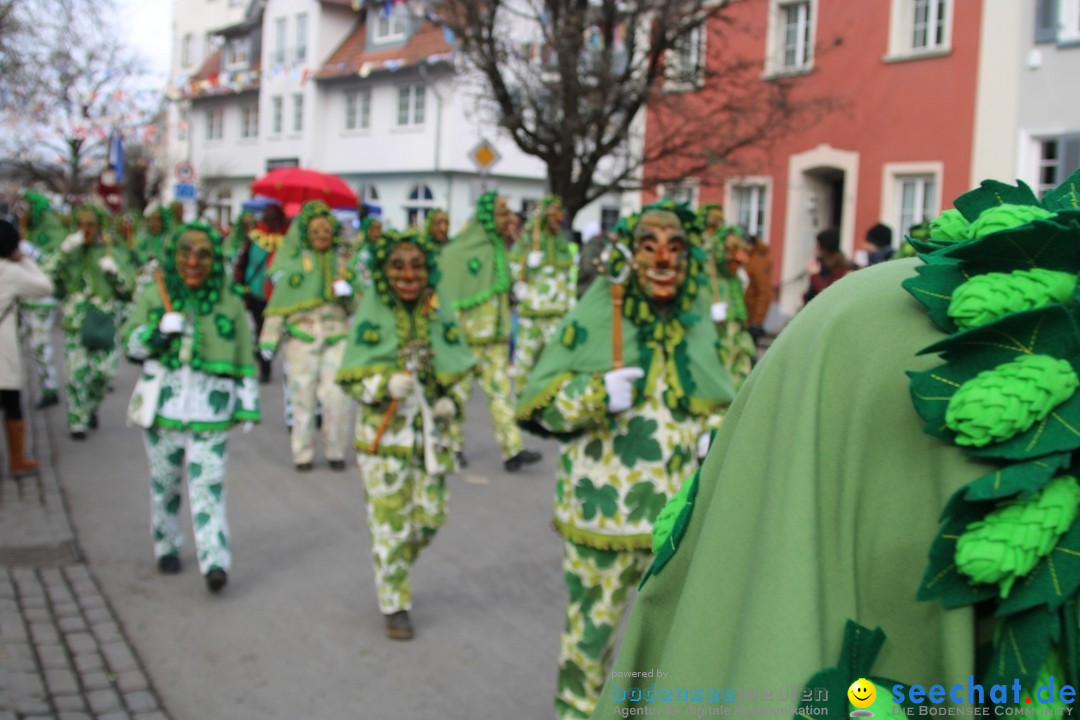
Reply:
x=191, y=333
x=632, y=386
x=958, y=530
x=543, y=263
x=43, y=230
x=309, y=312
x=20, y=279
x=94, y=280
x=829, y=264
x=759, y=292
x=408, y=366
x=151, y=239
x=476, y=284
x=238, y=235
x=437, y=227
x=724, y=246
x=251, y=269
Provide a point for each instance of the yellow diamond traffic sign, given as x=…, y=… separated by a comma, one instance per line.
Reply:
x=484, y=155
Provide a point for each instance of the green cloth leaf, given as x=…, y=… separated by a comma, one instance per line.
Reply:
x=942, y=580
x=638, y=442
x=991, y=194
x=1024, y=479
x=603, y=499
x=1042, y=243
x=1065, y=196
x=1053, y=581
x=594, y=638
x=1021, y=643
x=594, y=450
x=219, y=399
x=644, y=502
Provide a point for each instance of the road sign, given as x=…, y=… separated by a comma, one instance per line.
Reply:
x=185, y=172
x=484, y=156
x=185, y=191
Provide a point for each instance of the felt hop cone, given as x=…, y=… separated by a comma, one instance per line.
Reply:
x=986, y=298
x=1003, y=402
x=1009, y=542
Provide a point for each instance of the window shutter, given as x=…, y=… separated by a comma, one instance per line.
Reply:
x=1070, y=155
x=1046, y=21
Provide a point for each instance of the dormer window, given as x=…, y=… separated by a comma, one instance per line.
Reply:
x=389, y=26
x=236, y=52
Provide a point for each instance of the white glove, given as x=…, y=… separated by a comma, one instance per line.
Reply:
x=342, y=288
x=246, y=427
x=703, y=444
x=620, y=387
x=28, y=250
x=521, y=290
x=72, y=242
x=108, y=265
x=444, y=409
x=266, y=354
x=744, y=277
x=718, y=312
x=400, y=385
x=536, y=258
x=171, y=323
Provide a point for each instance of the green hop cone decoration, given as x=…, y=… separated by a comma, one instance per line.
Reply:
x=950, y=225
x=986, y=298
x=1002, y=402
x=1009, y=542
x=1005, y=217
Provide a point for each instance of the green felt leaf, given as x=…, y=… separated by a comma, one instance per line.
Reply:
x=1047, y=331
x=933, y=286
x=1022, y=479
x=594, y=638
x=1042, y=243
x=670, y=525
x=579, y=594
x=1065, y=196
x=593, y=499
x=992, y=193
x=594, y=450
x=644, y=502
x=942, y=579
x=1021, y=643
x=638, y=442
x=219, y=399
x=572, y=678
x=1052, y=582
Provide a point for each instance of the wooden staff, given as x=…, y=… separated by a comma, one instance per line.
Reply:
x=159, y=278
x=535, y=242
x=616, y=325
x=391, y=410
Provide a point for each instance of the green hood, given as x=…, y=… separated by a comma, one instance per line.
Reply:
x=473, y=264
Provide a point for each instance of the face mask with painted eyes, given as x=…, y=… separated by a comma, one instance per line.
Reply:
x=320, y=232
x=502, y=219
x=194, y=258
x=407, y=272
x=555, y=215
x=661, y=259
x=87, y=222
x=440, y=228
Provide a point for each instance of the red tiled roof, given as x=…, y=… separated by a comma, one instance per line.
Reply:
x=352, y=53
x=212, y=66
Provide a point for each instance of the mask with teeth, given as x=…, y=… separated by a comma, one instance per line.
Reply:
x=661, y=257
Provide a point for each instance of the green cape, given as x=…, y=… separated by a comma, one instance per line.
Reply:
x=44, y=230
x=582, y=344
x=816, y=504
x=473, y=264
x=303, y=277
x=223, y=343
x=557, y=249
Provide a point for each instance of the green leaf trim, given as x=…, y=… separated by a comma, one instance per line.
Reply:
x=309, y=304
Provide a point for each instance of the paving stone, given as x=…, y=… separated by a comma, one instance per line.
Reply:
x=69, y=703
x=147, y=716
x=71, y=624
x=25, y=684
x=76, y=573
x=140, y=701
x=98, y=615
x=31, y=706
x=81, y=643
x=66, y=609
x=8, y=605
x=34, y=602
x=44, y=634
x=96, y=680
x=131, y=680
x=114, y=716
x=89, y=602
x=106, y=632
x=89, y=662
x=103, y=700
x=74, y=716
x=61, y=682
x=37, y=615
x=119, y=657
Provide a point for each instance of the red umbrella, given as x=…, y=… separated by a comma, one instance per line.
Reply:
x=294, y=186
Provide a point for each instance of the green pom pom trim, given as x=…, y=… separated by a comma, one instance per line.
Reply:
x=989, y=297
x=1006, y=217
x=367, y=333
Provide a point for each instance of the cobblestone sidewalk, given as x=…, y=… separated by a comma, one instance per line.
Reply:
x=63, y=654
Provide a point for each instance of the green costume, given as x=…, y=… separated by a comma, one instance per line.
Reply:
x=545, y=290
x=310, y=318
x=737, y=345
x=779, y=550
x=617, y=470
x=405, y=446
x=207, y=385
x=237, y=237
x=38, y=317
x=93, y=299
x=476, y=285
x=149, y=245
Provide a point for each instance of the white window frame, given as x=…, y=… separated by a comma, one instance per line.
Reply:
x=892, y=180
x=278, y=57
x=357, y=109
x=755, y=219
x=684, y=65
x=902, y=31
x=368, y=193
x=686, y=191
x=1031, y=160
x=415, y=107
x=187, y=50
x=237, y=52
x=249, y=121
x=1068, y=21
x=215, y=124
x=387, y=29
x=300, y=55
x=277, y=114
x=420, y=205
x=776, y=43
x=298, y=112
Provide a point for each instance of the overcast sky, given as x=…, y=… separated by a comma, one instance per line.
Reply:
x=149, y=25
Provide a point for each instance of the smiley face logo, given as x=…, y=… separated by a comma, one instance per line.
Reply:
x=862, y=693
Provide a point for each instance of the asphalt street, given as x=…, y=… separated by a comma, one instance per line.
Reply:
x=298, y=633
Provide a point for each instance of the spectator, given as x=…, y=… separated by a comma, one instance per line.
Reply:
x=880, y=237
x=831, y=263
x=759, y=290
x=19, y=278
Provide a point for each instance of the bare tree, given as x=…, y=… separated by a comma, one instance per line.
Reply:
x=569, y=79
x=76, y=85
